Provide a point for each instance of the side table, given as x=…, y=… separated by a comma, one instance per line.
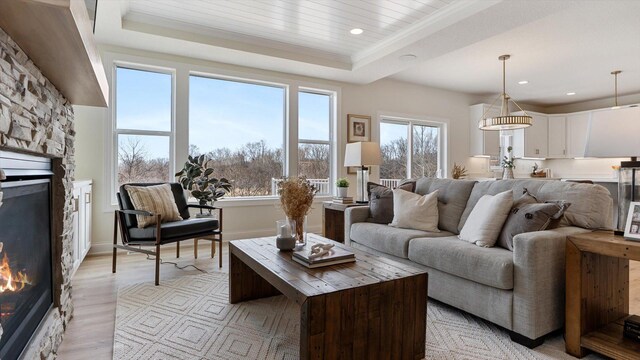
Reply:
x=333, y=220
x=597, y=294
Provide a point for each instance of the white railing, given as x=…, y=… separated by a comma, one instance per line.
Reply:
x=390, y=183
x=321, y=184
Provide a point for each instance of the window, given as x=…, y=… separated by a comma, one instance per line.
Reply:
x=314, y=143
x=240, y=127
x=143, y=126
x=409, y=149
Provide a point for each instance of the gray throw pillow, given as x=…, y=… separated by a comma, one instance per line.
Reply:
x=527, y=215
x=381, y=200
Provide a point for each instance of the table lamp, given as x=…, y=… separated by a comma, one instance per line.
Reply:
x=614, y=134
x=362, y=154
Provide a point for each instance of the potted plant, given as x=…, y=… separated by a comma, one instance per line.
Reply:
x=343, y=185
x=508, y=165
x=197, y=177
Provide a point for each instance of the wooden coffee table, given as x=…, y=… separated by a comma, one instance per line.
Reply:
x=373, y=308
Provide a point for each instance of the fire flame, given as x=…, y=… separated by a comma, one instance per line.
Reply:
x=10, y=281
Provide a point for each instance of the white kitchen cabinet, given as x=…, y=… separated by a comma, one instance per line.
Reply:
x=557, y=137
x=577, y=127
x=533, y=141
x=82, y=215
x=482, y=143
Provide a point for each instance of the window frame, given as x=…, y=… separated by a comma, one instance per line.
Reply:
x=115, y=132
x=180, y=125
x=409, y=121
x=332, y=136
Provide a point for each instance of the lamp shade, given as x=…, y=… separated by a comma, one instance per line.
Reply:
x=614, y=133
x=362, y=154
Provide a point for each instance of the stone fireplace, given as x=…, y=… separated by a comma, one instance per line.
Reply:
x=36, y=119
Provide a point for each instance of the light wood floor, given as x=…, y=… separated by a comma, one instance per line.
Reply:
x=90, y=333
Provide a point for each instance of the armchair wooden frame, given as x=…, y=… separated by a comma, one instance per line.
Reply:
x=129, y=244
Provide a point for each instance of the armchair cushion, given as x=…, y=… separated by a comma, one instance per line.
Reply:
x=176, y=229
x=124, y=200
x=157, y=199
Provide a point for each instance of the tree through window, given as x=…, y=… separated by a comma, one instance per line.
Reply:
x=143, y=126
x=239, y=126
x=314, y=146
x=409, y=150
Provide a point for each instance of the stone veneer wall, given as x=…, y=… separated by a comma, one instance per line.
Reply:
x=36, y=118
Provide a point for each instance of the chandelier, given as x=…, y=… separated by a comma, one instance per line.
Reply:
x=505, y=121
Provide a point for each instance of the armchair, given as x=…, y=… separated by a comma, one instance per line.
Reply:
x=133, y=238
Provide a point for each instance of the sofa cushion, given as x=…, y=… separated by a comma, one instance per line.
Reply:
x=487, y=218
x=175, y=229
x=387, y=239
x=528, y=215
x=381, y=200
x=591, y=205
x=489, y=266
x=415, y=211
x=452, y=199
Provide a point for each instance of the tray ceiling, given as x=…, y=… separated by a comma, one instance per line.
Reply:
x=559, y=46
x=320, y=25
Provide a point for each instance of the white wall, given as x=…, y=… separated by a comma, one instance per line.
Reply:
x=258, y=218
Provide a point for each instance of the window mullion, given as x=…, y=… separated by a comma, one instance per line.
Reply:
x=291, y=135
x=409, y=149
x=143, y=132
x=318, y=142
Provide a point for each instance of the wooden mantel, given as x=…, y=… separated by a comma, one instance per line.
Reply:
x=57, y=36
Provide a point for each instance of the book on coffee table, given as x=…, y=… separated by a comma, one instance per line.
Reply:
x=335, y=256
x=323, y=264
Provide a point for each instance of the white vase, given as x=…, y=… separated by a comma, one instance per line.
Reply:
x=342, y=192
x=507, y=173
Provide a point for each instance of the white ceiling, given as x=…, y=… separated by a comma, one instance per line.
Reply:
x=573, y=50
x=558, y=46
x=319, y=25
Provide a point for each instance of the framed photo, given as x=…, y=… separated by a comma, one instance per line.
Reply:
x=632, y=229
x=358, y=128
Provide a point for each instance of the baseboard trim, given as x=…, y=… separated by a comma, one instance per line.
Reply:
x=102, y=248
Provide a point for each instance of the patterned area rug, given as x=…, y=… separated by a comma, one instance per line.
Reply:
x=190, y=318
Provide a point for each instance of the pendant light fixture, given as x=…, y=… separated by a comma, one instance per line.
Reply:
x=505, y=121
x=615, y=74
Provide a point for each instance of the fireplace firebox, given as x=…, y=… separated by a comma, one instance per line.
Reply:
x=26, y=277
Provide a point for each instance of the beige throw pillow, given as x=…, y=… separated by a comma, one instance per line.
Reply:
x=486, y=219
x=156, y=199
x=415, y=211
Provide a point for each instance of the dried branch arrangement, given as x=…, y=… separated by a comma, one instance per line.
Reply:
x=458, y=172
x=296, y=197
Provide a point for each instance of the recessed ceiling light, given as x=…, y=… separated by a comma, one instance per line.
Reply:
x=523, y=82
x=407, y=57
x=356, y=31
x=570, y=93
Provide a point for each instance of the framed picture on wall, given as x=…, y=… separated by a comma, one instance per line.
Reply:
x=632, y=230
x=358, y=128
